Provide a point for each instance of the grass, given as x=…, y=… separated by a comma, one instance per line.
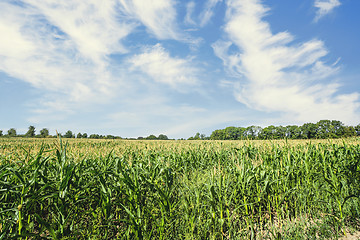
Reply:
x=116, y=189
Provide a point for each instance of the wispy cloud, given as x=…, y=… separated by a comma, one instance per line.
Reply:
x=208, y=12
x=159, y=16
x=161, y=67
x=60, y=47
x=325, y=7
x=95, y=27
x=66, y=49
x=190, y=6
x=276, y=75
x=204, y=16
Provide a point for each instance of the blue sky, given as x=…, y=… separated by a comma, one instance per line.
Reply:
x=134, y=68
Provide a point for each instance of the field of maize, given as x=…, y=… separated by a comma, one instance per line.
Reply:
x=122, y=189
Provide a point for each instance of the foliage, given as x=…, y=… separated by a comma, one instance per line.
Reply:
x=151, y=137
x=30, y=132
x=162, y=137
x=69, y=134
x=321, y=130
x=116, y=189
x=12, y=132
x=198, y=136
x=44, y=133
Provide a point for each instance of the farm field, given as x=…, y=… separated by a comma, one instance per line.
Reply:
x=127, y=189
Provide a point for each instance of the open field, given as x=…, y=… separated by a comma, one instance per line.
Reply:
x=117, y=189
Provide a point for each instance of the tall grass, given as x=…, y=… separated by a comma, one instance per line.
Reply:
x=178, y=190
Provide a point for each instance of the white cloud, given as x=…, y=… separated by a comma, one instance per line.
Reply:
x=190, y=6
x=208, y=12
x=325, y=7
x=159, y=16
x=93, y=26
x=62, y=48
x=205, y=15
x=277, y=76
x=161, y=67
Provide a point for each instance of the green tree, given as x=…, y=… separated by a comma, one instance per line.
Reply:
x=110, y=137
x=280, y=132
x=12, y=132
x=293, y=132
x=357, y=129
x=79, y=135
x=84, y=135
x=1, y=133
x=308, y=130
x=252, y=132
x=69, y=134
x=44, y=133
x=325, y=129
x=163, y=137
x=234, y=133
x=151, y=137
x=268, y=132
x=338, y=128
x=30, y=132
x=218, y=134
x=94, y=136
x=349, y=131
x=196, y=137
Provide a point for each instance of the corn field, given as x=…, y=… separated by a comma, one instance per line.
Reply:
x=117, y=189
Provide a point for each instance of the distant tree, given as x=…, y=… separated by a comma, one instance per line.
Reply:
x=95, y=136
x=44, y=133
x=69, y=134
x=324, y=129
x=203, y=137
x=338, y=128
x=252, y=132
x=349, y=131
x=151, y=137
x=280, y=132
x=233, y=133
x=357, y=129
x=163, y=137
x=293, y=132
x=140, y=138
x=110, y=137
x=308, y=130
x=197, y=136
x=79, y=135
x=84, y=135
x=30, y=132
x=12, y=132
x=1, y=133
x=218, y=134
x=268, y=133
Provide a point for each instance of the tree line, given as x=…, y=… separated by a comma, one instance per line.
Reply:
x=320, y=130
x=44, y=133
